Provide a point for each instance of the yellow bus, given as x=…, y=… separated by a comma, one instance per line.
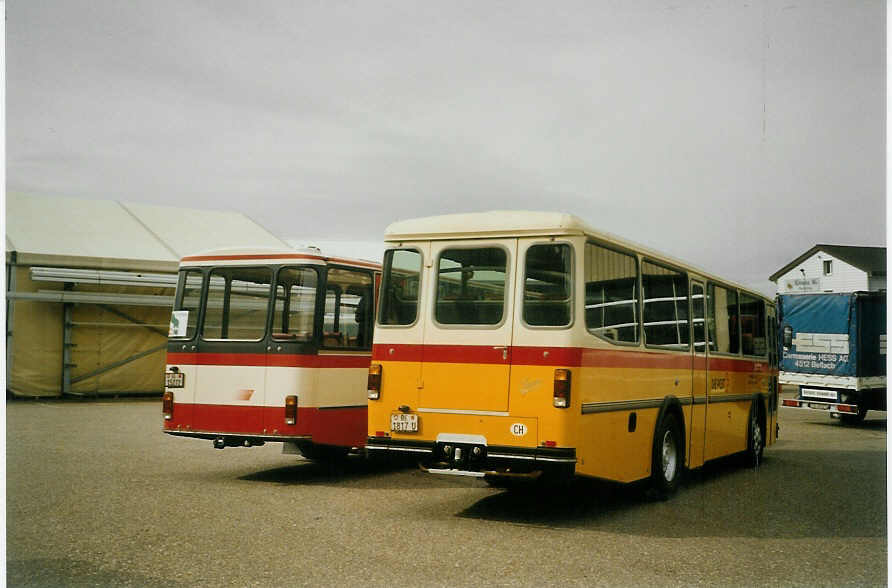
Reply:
x=517, y=344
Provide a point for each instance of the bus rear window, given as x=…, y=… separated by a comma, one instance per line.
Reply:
x=471, y=286
x=399, y=287
x=546, y=287
x=237, y=303
x=295, y=304
x=188, y=301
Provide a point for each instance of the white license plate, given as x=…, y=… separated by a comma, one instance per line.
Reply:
x=404, y=423
x=174, y=379
x=823, y=394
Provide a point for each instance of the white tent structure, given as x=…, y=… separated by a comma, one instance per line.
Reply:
x=90, y=286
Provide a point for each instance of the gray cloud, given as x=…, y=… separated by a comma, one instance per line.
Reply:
x=734, y=135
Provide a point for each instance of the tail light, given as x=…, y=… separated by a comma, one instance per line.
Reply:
x=561, y=388
x=167, y=405
x=290, y=410
x=375, y=381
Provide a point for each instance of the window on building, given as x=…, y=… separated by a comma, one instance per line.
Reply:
x=828, y=267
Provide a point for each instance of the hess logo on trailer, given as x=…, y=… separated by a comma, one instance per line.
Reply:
x=518, y=429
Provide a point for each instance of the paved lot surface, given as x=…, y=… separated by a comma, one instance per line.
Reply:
x=98, y=496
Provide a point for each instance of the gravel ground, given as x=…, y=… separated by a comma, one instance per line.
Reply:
x=98, y=496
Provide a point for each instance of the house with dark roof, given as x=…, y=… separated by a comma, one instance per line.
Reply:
x=833, y=268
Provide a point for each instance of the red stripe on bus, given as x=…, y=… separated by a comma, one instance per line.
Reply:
x=558, y=356
x=272, y=360
x=331, y=426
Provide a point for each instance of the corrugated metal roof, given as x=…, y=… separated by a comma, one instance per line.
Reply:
x=76, y=232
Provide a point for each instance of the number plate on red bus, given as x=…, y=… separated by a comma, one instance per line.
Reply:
x=174, y=380
x=404, y=423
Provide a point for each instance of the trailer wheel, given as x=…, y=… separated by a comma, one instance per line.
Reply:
x=857, y=418
x=755, y=437
x=668, y=457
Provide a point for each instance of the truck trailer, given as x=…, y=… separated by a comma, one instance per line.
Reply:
x=834, y=350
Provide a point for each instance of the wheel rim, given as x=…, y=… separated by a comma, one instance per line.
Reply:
x=670, y=456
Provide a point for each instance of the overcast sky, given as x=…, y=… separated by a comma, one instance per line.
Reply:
x=734, y=135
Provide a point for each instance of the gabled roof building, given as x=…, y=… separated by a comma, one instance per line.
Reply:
x=833, y=268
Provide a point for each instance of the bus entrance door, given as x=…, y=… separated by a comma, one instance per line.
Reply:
x=700, y=364
x=467, y=347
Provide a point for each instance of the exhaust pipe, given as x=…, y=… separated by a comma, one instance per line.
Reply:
x=219, y=443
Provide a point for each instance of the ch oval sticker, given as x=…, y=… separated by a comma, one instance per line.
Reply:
x=518, y=429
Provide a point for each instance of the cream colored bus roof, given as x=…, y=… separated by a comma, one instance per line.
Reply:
x=523, y=223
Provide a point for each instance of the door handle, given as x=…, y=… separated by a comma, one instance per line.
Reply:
x=504, y=350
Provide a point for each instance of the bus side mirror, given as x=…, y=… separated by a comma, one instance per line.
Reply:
x=788, y=336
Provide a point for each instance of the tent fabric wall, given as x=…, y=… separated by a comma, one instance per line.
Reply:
x=36, y=342
x=110, y=337
x=103, y=335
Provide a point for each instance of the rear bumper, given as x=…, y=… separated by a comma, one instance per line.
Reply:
x=494, y=459
x=809, y=404
x=238, y=439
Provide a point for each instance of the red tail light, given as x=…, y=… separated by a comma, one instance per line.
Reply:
x=167, y=405
x=561, y=388
x=844, y=408
x=375, y=381
x=290, y=410
x=788, y=402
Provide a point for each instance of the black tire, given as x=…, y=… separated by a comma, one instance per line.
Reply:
x=854, y=419
x=668, y=457
x=755, y=437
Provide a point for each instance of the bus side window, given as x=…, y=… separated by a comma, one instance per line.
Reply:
x=665, y=307
x=611, y=294
x=752, y=325
x=723, y=319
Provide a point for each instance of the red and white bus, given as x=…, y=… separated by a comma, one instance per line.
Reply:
x=271, y=345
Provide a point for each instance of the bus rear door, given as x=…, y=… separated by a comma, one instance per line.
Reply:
x=233, y=351
x=467, y=346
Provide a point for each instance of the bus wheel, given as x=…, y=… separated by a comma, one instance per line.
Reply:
x=668, y=457
x=854, y=419
x=755, y=438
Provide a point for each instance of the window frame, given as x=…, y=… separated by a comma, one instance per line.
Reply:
x=634, y=255
x=178, y=300
x=572, y=301
x=315, y=339
x=507, y=290
x=270, y=300
x=380, y=310
x=827, y=264
x=319, y=319
x=709, y=339
x=741, y=294
x=686, y=276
